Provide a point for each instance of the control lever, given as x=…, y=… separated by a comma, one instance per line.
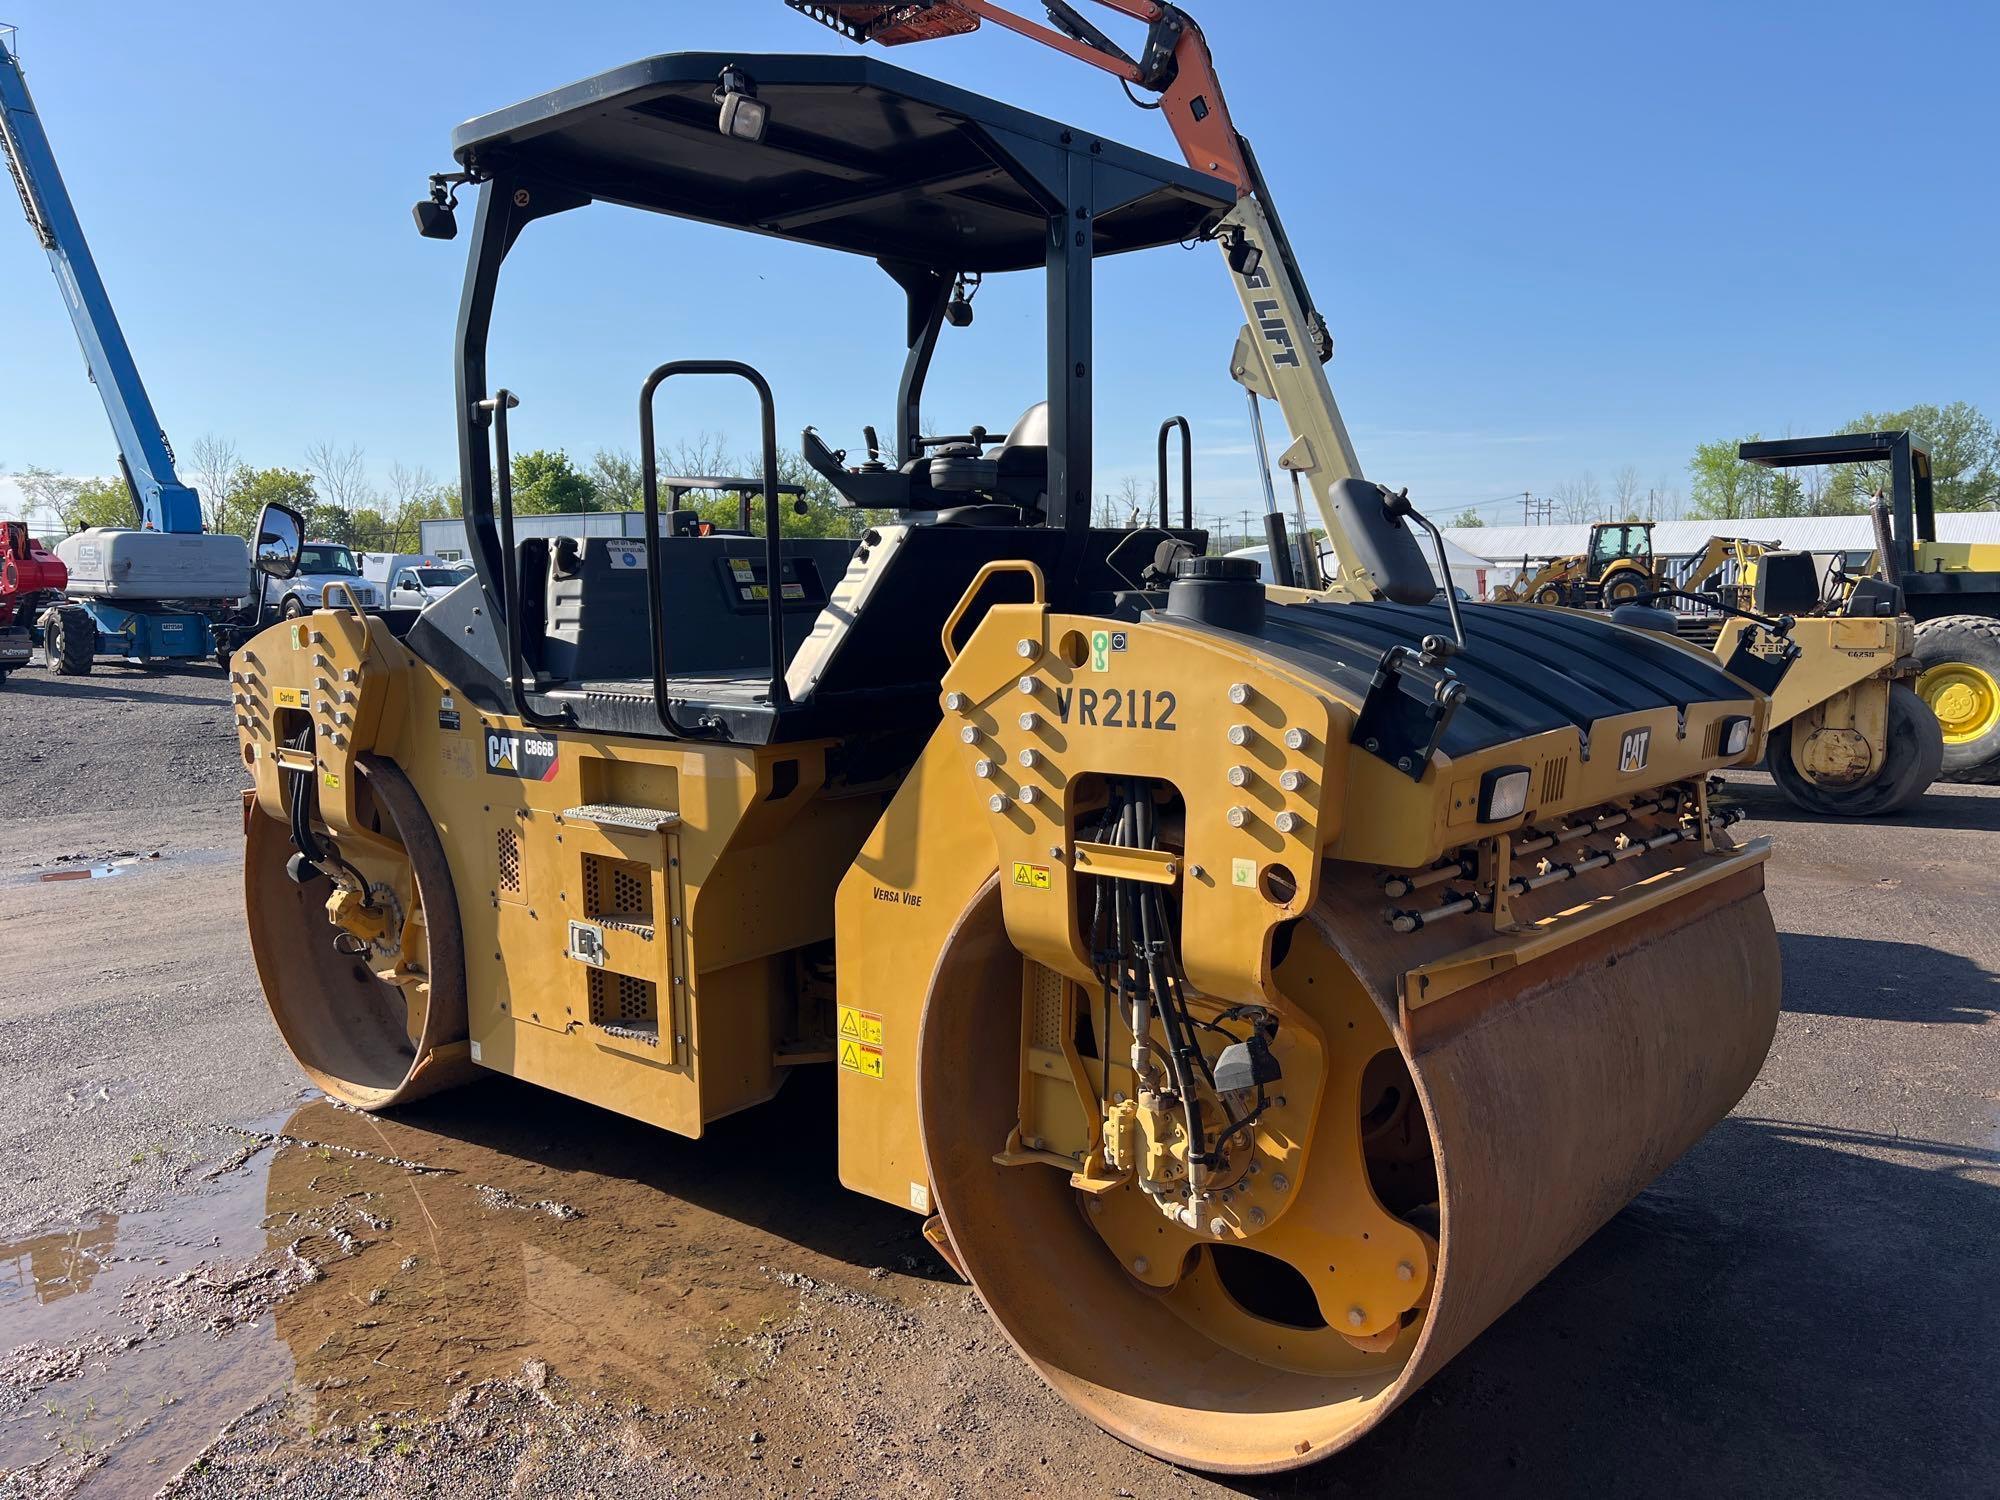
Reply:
x=872, y=487
x=874, y=444
x=979, y=437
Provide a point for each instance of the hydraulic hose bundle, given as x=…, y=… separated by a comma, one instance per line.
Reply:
x=1135, y=951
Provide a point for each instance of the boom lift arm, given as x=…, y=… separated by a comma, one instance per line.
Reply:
x=1283, y=349
x=162, y=501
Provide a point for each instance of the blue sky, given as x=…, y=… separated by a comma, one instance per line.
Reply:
x=1549, y=238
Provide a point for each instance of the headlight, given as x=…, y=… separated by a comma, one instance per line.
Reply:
x=1503, y=793
x=1735, y=737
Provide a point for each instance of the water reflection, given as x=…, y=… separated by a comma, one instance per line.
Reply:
x=53, y=1266
x=367, y=1272
x=462, y=1272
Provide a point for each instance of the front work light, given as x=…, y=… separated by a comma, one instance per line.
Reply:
x=743, y=116
x=1735, y=736
x=436, y=221
x=1245, y=259
x=1503, y=793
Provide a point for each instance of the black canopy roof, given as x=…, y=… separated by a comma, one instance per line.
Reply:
x=1841, y=448
x=859, y=156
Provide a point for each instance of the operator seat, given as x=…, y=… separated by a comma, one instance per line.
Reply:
x=932, y=561
x=1014, y=476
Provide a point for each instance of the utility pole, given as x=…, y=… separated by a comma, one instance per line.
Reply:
x=1527, y=500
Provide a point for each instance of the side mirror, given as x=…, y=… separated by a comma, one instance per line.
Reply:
x=280, y=539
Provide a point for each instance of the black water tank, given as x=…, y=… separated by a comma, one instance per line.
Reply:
x=1226, y=592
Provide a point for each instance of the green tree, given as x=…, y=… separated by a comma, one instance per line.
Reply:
x=102, y=502
x=250, y=490
x=615, y=473
x=429, y=502
x=1468, y=517
x=819, y=512
x=1723, y=487
x=1965, y=457
x=547, y=483
x=1787, y=495
x=77, y=502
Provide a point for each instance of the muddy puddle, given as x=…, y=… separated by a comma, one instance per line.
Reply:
x=68, y=867
x=359, y=1280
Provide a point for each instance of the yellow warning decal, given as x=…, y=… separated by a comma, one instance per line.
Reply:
x=860, y=1026
x=331, y=780
x=1034, y=877
x=859, y=1057
x=289, y=697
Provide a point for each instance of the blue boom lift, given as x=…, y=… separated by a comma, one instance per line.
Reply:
x=160, y=590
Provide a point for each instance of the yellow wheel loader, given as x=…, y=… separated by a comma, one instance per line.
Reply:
x=1253, y=997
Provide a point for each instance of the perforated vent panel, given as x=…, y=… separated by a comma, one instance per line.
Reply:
x=622, y=999
x=617, y=891
x=1045, y=999
x=509, y=850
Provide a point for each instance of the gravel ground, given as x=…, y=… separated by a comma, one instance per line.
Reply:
x=212, y=1283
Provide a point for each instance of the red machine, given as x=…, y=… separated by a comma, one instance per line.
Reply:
x=30, y=577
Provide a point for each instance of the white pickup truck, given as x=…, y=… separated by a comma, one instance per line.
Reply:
x=413, y=580
x=322, y=565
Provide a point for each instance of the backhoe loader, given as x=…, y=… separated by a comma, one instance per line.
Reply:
x=1616, y=568
x=1253, y=997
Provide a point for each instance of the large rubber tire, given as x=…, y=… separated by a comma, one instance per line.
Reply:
x=1551, y=594
x=1960, y=681
x=293, y=607
x=1623, y=589
x=69, y=642
x=1914, y=761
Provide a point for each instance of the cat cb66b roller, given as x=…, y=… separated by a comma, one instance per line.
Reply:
x=1255, y=992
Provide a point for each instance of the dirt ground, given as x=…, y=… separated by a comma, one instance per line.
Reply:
x=215, y=1283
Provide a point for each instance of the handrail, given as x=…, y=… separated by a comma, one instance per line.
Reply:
x=774, y=587
x=499, y=404
x=1187, y=474
x=992, y=569
x=353, y=604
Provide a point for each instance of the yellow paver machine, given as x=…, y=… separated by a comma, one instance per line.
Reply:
x=1254, y=995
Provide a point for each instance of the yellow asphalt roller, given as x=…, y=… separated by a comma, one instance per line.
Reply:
x=1254, y=992
x=1435, y=1044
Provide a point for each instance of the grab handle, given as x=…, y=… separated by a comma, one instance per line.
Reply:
x=780, y=696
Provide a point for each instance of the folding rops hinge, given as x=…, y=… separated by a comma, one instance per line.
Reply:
x=1410, y=701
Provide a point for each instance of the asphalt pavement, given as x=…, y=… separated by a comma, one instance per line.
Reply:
x=213, y=1283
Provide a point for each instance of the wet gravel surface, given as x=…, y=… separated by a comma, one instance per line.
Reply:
x=213, y=1283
